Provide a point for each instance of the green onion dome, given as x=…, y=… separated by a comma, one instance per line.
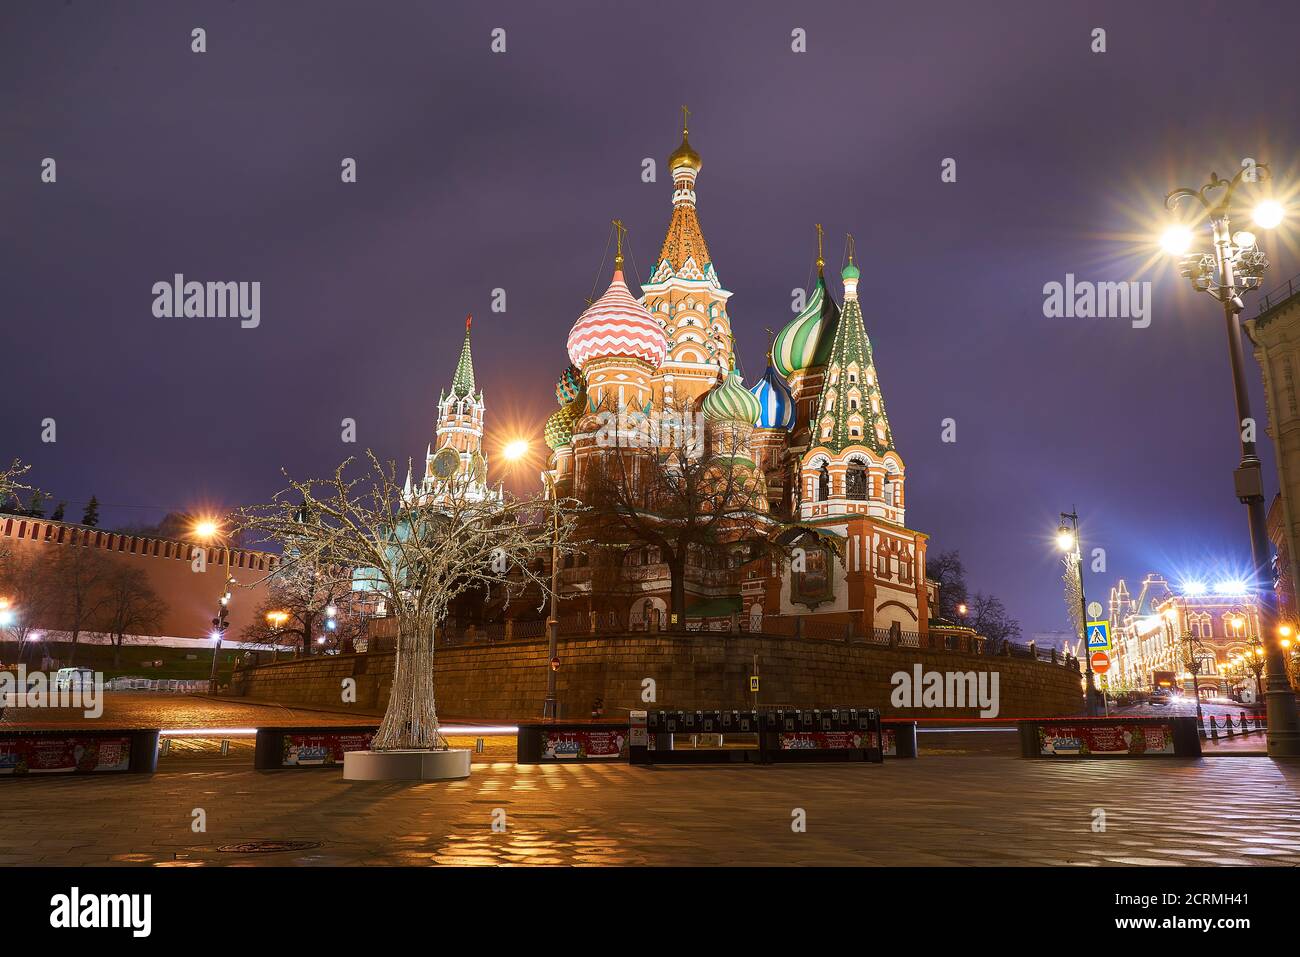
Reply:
x=559, y=426
x=806, y=340
x=730, y=401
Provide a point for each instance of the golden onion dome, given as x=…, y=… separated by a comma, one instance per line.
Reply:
x=684, y=155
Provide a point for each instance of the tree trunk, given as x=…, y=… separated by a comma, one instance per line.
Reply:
x=677, y=574
x=411, y=719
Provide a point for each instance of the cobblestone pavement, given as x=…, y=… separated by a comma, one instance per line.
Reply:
x=128, y=709
x=944, y=810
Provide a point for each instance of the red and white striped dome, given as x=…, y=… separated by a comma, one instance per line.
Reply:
x=617, y=325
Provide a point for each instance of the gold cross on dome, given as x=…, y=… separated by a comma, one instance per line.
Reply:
x=685, y=119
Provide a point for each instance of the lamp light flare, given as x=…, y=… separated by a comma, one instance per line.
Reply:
x=1269, y=214
x=515, y=450
x=1176, y=240
x=205, y=528
x=1065, y=540
x=1232, y=587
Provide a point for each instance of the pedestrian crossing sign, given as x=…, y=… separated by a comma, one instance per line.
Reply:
x=1099, y=636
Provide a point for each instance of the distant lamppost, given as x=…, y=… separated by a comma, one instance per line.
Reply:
x=1067, y=537
x=210, y=531
x=276, y=620
x=514, y=451
x=1235, y=267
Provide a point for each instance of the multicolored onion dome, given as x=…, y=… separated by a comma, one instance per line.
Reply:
x=569, y=386
x=806, y=341
x=730, y=401
x=559, y=426
x=775, y=400
x=617, y=325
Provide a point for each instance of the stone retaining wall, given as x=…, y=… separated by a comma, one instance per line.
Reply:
x=507, y=681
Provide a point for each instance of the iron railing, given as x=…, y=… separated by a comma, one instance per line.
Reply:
x=1281, y=294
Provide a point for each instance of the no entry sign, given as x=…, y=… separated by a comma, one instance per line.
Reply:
x=1100, y=662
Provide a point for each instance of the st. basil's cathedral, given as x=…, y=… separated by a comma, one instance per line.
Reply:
x=813, y=431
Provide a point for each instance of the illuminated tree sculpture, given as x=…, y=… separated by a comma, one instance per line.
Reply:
x=419, y=555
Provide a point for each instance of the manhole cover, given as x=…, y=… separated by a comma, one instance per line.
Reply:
x=267, y=847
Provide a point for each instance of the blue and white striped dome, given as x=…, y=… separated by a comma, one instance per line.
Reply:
x=776, y=400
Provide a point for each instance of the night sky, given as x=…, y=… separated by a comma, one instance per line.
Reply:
x=479, y=170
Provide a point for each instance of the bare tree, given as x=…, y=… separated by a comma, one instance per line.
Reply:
x=989, y=618
x=304, y=592
x=665, y=483
x=10, y=485
x=419, y=554
x=946, y=569
x=26, y=583
x=130, y=606
x=78, y=575
x=9, y=479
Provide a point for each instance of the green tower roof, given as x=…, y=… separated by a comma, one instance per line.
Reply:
x=851, y=397
x=462, y=383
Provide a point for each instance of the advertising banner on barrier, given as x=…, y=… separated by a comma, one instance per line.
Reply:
x=1106, y=739
x=826, y=740
x=315, y=750
x=73, y=754
x=584, y=745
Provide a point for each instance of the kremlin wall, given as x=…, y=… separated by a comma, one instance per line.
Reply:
x=190, y=596
x=506, y=681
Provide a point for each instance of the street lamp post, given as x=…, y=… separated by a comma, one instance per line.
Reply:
x=553, y=621
x=515, y=451
x=1191, y=644
x=1236, y=267
x=210, y=531
x=1068, y=538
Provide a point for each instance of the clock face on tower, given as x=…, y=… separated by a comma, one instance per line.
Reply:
x=445, y=463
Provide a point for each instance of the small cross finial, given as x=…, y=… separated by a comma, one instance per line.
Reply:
x=619, y=229
x=468, y=319
x=685, y=120
x=851, y=248
x=771, y=337
x=820, y=261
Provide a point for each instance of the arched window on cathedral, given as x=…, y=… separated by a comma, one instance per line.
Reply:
x=823, y=483
x=855, y=482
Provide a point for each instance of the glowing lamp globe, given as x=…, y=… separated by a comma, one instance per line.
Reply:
x=1176, y=240
x=1268, y=214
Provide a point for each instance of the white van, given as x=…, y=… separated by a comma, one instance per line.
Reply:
x=68, y=679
